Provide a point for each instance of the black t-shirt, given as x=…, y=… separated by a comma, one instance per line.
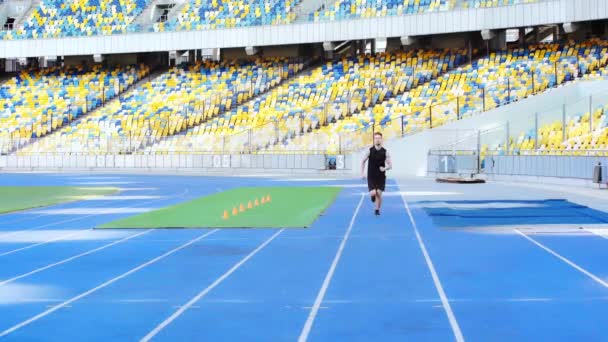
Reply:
x=377, y=158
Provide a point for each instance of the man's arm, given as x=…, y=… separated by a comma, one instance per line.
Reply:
x=388, y=163
x=365, y=158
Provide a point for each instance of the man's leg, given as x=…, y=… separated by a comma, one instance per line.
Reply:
x=372, y=194
x=379, y=192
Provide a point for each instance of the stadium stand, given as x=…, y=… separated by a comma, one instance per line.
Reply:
x=493, y=81
x=213, y=107
x=585, y=131
x=350, y=9
x=36, y=102
x=597, y=74
x=55, y=18
x=325, y=94
x=493, y=3
x=58, y=18
x=203, y=15
x=332, y=107
x=180, y=98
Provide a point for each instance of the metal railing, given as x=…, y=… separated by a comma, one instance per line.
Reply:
x=574, y=128
x=563, y=129
x=303, y=127
x=538, y=144
x=466, y=104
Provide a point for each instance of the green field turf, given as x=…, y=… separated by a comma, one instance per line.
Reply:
x=15, y=198
x=290, y=207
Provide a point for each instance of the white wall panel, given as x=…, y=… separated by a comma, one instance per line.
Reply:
x=121, y=44
x=52, y=48
x=288, y=32
x=292, y=31
x=541, y=15
x=602, y=7
x=581, y=14
x=182, y=42
x=166, y=40
x=446, y=20
x=68, y=46
x=276, y=35
x=189, y=42
x=391, y=26
x=284, y=38
x=163, y=42
x=142, y=45
x=469, y=20
x=349, y=30
x=513, y=13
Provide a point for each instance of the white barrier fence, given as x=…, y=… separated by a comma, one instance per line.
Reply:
x=577, y=167
x=557, y=166
x=67, y=161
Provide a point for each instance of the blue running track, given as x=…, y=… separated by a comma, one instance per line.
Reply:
x=416, y=273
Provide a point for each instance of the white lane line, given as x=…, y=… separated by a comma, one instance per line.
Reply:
x=444, y=299
x=107, y=283
x=114, y=198
x=78, y=256
x=86, y=216
x=319, y=300
x=103, y=183
x=61, y=237
x=95, y=211
x=203, y=293
x=86, y=178
x=137, y=301
x=137, y=189
x=50, y=306
x=599, y=232
x=560, y=257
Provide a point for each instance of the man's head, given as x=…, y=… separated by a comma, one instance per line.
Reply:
x=377, y=139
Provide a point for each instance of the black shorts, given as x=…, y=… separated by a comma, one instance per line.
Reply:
x=376, y=183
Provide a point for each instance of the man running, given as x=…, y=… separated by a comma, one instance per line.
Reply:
x=379, y=161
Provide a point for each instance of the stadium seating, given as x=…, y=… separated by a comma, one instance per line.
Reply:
x=581, y=135
x=327, y=93
x=202, y=15
x=489, y=82
x=181, y=98
x=222, y=107
x=493, y=3
x=36, y=102
x=598, y=74
x=350, y=9
x=59, y=18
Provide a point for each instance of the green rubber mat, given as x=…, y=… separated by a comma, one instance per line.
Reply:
x=250, y=207
x=16, y=198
